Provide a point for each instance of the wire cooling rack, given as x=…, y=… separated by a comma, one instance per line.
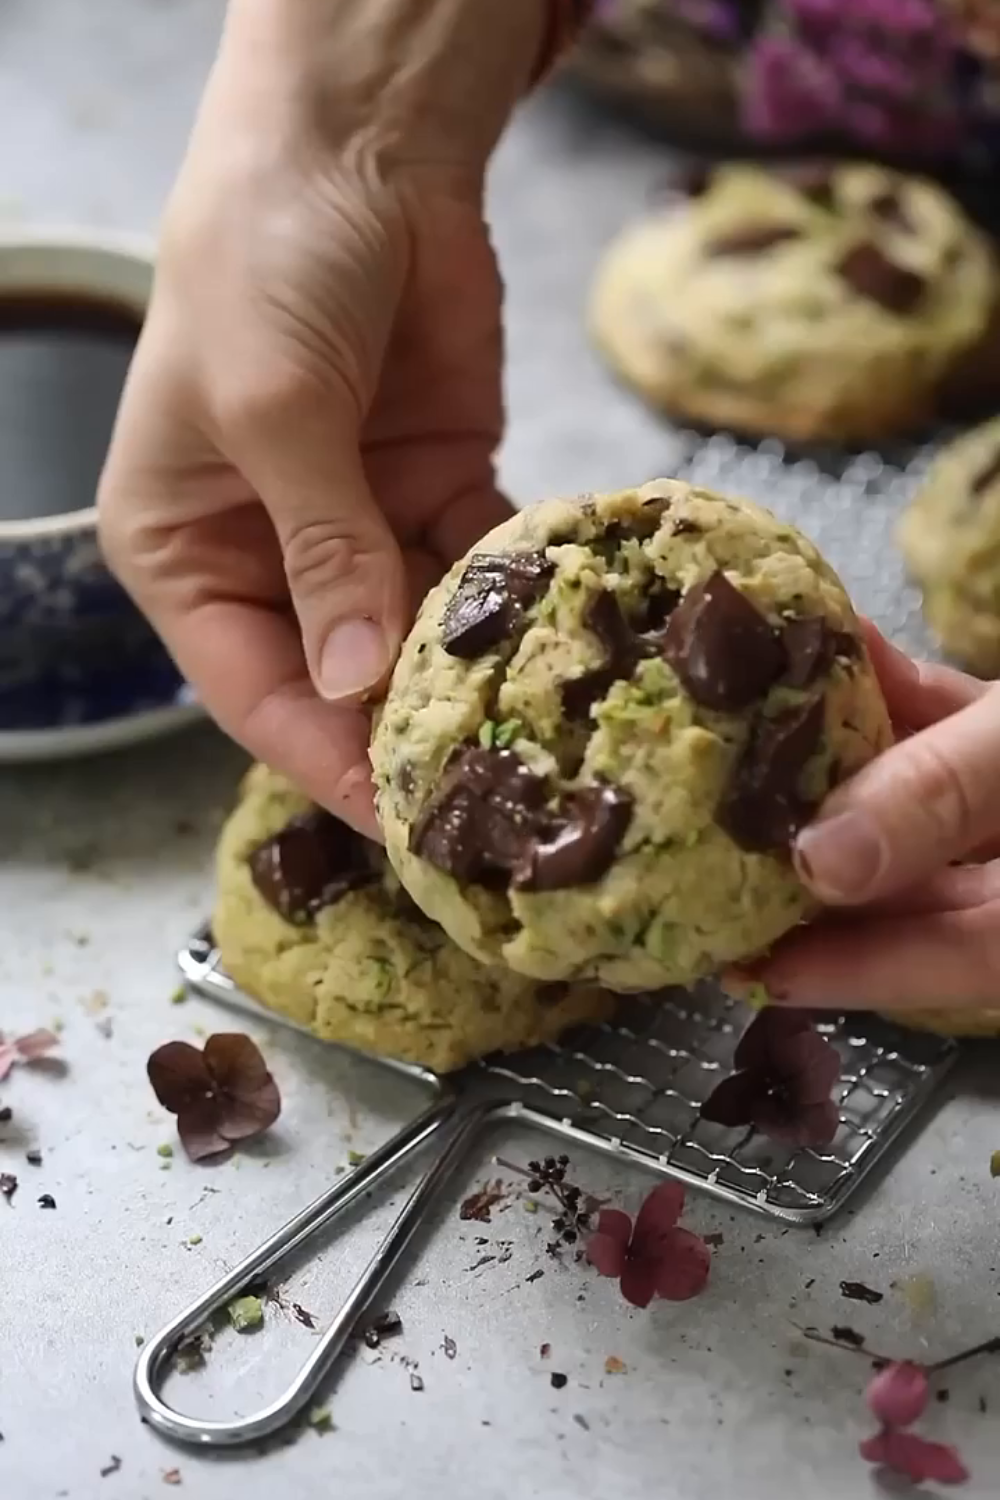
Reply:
x=634, y=1089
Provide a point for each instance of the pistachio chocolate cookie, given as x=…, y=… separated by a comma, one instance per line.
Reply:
x=950, y=538
x=607, y=724
x=311, y=921
x=833, y=302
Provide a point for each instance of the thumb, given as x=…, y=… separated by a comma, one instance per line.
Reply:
x=344, y=569
x=922, y=804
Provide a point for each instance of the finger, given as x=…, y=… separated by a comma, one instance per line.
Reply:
x=914, y=809
x=343, y=566
x=918, y=693
x=246, y=664
x=954, y=889
x=947, y=959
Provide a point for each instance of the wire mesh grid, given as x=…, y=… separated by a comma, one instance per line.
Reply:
x=635, y=1087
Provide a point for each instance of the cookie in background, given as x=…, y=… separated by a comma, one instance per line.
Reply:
x=950, y=539
x=841, y=302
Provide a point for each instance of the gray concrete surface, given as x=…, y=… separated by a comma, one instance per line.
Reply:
x=105, y=866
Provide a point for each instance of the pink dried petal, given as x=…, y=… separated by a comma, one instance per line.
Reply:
x=36, y=1044
x=915, y=1457
x=685, y=1267
x=898, y=1395
x=25, y=1049
x=639, y=1279
x=607, y=1253
x=616, y=1224
x=659, y=1213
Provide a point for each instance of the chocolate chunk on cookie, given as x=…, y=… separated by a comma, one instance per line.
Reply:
x=491, y=600
x=873, y=275
x=763, y=806
x=479, y=824
x=312, y=863
x=987, y=475
x=493, y=823
x=754, y=239
x=725, y=652
x=580, y=843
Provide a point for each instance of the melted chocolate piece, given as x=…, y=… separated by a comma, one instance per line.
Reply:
x=684, y=526
x=725, y=652
x=693, y=179
x=581, y=845
x=483, y=818
x=762, y=808
x=889, y=207
x=754, y=239
x=311, y=863
x=873, y=275
x=813, y=179
x=809, y=646
x=987, y=475
x=552, y=994
x=489, y=604
x=657, y=607
x=624, y=646
x=812, y=646
x=489, y=824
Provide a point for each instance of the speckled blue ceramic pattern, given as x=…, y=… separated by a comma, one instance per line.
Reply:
x=73, y=648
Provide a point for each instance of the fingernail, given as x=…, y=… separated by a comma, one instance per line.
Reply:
x=355, y=657
x=839, y=857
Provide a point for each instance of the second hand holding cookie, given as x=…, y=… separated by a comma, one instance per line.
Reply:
x=906, y=855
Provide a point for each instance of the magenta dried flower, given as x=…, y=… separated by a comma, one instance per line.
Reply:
x=652, y=1257
x=785, y=1073
x=916, y=1458
x=898, y=1395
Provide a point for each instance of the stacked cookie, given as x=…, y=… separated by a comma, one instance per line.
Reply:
x=604, y=730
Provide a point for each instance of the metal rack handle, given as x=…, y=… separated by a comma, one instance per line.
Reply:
x=152, y=1366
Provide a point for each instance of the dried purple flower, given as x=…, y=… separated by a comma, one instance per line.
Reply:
x=220, y=1094
x=785, y=1072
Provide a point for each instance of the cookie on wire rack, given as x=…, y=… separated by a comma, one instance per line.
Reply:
x=832, y=302
x=950, y=539
x=311, y=921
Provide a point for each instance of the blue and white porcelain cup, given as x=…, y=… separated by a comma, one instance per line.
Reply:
x=80, y=669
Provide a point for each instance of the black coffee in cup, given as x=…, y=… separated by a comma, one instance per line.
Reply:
x=63, y=361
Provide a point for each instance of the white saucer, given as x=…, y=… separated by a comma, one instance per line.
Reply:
x=70, y=741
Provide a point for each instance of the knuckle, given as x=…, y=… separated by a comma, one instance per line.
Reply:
x=320, y=557
x=257, y=403
x=940, y=795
